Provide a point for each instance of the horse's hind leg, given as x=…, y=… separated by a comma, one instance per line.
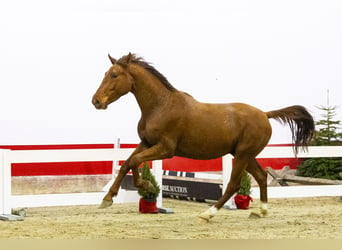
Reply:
x=260, y=176
x=240, y=164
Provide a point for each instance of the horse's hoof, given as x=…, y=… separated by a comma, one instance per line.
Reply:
x=19, y=211
x=204, y=217
x=150, y=187
x=202, y=220
x=105, y=204
x=207, y=215
x=264, y=213
x=254, y=215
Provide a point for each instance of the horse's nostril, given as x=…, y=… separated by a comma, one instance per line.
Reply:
x=96, y=102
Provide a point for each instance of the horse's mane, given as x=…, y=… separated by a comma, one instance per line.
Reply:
x=132, y=58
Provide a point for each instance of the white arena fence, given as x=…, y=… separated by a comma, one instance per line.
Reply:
x=291, y=191
x=9, y=201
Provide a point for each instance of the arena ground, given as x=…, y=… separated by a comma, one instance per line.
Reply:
x=309, y=218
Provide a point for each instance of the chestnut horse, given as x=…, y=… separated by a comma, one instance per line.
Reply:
x=173, y=123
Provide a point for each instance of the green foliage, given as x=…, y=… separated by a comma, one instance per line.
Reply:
x=148, y=176
x=327, y=135
x=327, y=168
x=245, y=184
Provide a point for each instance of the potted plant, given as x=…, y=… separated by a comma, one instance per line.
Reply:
x=243, y=197
x=148, y=200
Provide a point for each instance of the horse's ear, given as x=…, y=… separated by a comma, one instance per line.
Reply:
x=129, y=58
x=113, y=60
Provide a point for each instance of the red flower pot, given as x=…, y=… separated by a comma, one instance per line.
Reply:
x=242, y=201
x=147, y=206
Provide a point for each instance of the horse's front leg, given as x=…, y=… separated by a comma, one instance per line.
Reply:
x=156, y=152
x=140, y=155
x=114, y=189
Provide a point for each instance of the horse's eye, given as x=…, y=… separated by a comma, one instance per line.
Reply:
x=113, y=76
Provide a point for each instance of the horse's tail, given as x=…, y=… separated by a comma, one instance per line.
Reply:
x=301, y=124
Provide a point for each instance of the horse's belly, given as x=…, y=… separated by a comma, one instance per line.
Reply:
x=204, y=149
x=208, y=141
x=201, y=155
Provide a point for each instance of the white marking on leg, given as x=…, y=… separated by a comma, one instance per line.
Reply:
x=210, y=213
x=263, y=208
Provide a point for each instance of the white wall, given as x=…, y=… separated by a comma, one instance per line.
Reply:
x=270, y=54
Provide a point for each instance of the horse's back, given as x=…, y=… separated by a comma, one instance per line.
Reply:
x=213, y=130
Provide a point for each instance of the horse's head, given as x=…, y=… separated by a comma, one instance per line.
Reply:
x=116, y=83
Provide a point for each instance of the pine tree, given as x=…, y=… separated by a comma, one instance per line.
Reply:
x=327, y=135
x=245, y=184
x=148, y=176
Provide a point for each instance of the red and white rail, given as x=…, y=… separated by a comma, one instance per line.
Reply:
x=7, y=157
x=291, y=191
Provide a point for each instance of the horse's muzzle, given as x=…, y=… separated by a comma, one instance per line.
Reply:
x=98, y=105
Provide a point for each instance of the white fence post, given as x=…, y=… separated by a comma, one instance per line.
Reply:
x=115, y=162
x=5, y=182
x=157, y=171
x=115, y=166
x=227, y=166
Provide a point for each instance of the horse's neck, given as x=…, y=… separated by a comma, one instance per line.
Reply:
x=149, y=92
